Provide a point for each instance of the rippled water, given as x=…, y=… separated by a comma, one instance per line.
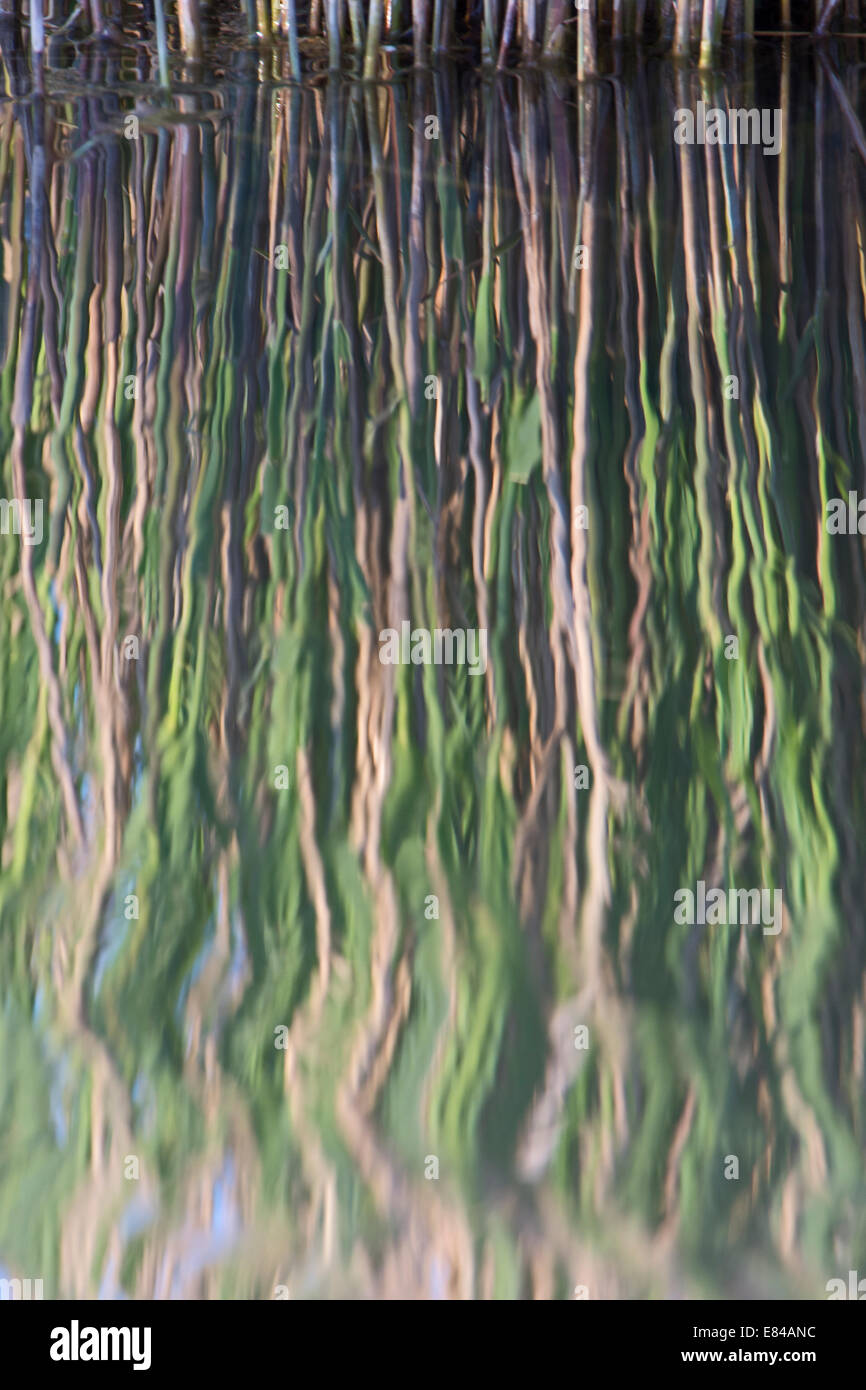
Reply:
x=324, y=976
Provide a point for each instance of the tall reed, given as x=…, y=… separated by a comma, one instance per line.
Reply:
x=510, y=31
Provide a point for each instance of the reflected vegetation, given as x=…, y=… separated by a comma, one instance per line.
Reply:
x=281, y=925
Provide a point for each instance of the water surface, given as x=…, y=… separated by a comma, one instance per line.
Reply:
x=285, y=932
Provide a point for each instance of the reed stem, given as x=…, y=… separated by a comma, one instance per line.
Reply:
x=189, y=16
x=291, y=15
x=333, y=13
x=161, y=44
x=374, y=39
x=682, y=35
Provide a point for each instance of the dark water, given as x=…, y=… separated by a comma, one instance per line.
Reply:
x=344, y=978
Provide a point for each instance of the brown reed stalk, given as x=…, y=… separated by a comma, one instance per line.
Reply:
x=189, y=16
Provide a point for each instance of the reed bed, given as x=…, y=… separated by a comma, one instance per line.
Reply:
x=287, y=372
x=363, y=33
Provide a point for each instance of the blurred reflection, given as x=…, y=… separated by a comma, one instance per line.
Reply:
x=343, y=978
